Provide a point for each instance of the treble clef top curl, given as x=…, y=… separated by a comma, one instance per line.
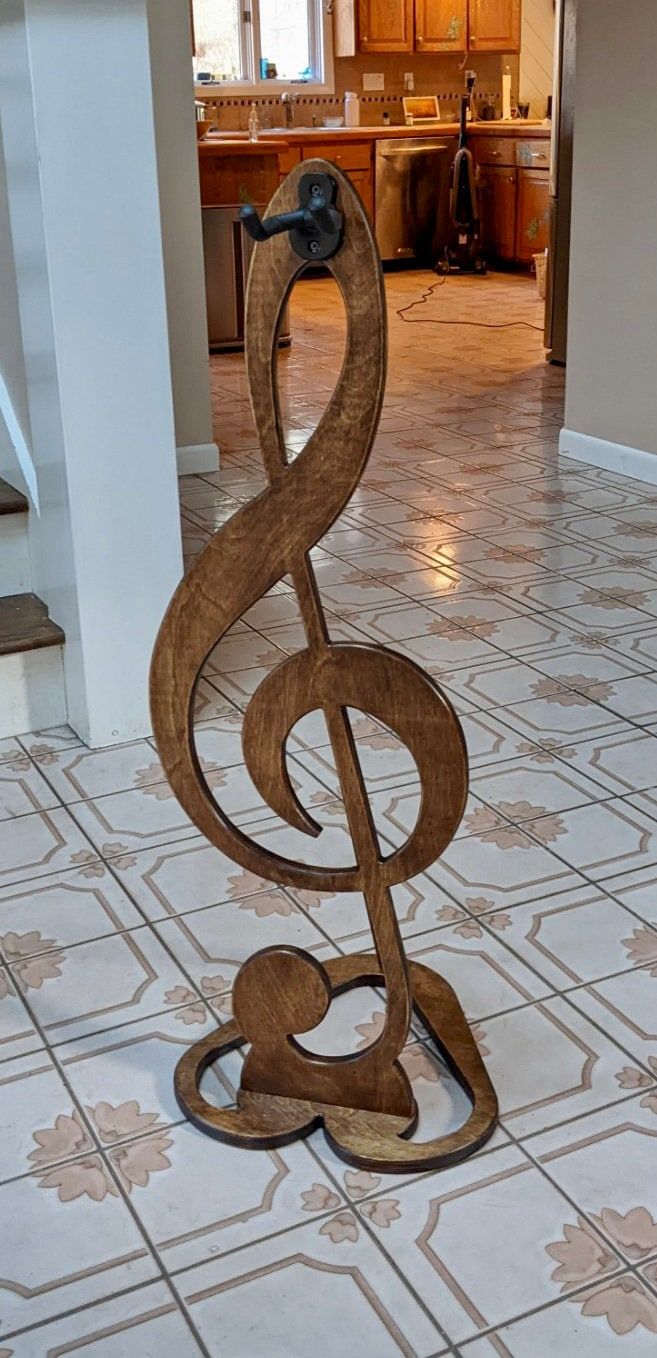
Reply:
x=268, y=539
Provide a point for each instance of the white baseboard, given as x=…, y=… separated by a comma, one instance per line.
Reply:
x=612, y=457
x=197, y=457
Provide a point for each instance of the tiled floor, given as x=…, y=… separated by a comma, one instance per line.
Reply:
x=528, y=587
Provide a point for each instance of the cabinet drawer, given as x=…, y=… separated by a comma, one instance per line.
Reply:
x=348, y=155
x=494, y=150
x=533, y=154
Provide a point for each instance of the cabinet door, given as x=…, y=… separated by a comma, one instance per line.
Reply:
x=441, y=25
x=533, y=216
x=385, y=25
x=495, y=25
x=497, y=205
x=363, y=182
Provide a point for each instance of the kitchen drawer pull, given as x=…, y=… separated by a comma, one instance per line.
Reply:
x=496, y=153
x=538, y=155
x=420, y=38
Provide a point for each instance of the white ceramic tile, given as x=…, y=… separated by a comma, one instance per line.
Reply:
x=54, y=912
x=147, y=1319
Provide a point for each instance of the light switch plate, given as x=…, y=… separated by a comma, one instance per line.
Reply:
x=373, y=81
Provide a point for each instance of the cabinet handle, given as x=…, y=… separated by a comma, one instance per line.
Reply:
x=496, y=153
x=537, y=155
x=419, y=38
x=472, y=39
x=511, y=179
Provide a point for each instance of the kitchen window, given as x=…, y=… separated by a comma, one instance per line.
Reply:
x=253, y=46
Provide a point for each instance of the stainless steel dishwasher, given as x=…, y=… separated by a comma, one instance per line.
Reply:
x=227, y=251
x=412, y=197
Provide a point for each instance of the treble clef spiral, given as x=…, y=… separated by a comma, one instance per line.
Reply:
x=281, y=991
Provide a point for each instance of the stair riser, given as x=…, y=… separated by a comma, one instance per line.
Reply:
x=14, y=555
x=32, y=692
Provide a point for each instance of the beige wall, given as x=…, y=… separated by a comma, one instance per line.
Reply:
x=536, y=54
x=611, y=383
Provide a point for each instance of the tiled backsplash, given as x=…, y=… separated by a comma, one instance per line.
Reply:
x=440, y=75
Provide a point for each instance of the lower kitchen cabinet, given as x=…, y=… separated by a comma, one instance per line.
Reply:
x=532, y=214
x=355, y=160
x=497, y=206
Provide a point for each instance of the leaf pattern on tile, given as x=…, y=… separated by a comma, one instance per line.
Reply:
x=212, y=985
x=120, y=854
x=418, y=1065
x=358, y=1182
x=193, y=1013
x=149, y=780
x=542, y=752
x=332, y=805
x=382, y=1211
x=273, y=903
x=340, y=1228
x=486, y=826
x=552, y=693
x=244, y=882
x=5, y=988
x=180, y=994
x=631, y=1078
x=469, y=929
x=45, y=754
x=136, y=1161
x=18, y=762
x=313, y=899
x=319, y=1198
x=68, y=1136
x=367, y=733
x=635, y=1232
x=79, y=1179
x=580, y=1255
x=597, y=690
x=89, y=863
x=634, y=530
x=472, y=622
x=114, y=1121
x=16, y=946
x=479, y=1034
x=593, y=641
x=642, y=948
x=512, y=554
x=33, y=971
x=448, y=914
x=546, y=829
x=372, y=1029
x=624, y=1304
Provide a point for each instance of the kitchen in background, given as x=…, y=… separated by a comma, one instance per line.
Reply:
x=384, y=54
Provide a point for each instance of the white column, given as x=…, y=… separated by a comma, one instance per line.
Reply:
x=77, y=116
x=177, y=163
x=611, y=400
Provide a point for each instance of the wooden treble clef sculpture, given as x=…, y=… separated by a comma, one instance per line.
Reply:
x=364, y=1099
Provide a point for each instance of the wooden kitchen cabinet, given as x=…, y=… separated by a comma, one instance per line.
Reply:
x=355, y=159
x=441, y=25
x=494, y=25
x=386, y=25
x=497, y=193
x=532, y=214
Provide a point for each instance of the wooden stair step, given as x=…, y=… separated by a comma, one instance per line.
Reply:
x=11, y=501
x=25, y=625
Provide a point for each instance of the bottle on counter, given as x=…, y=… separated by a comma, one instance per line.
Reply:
x=506, y=94
x=254, y=123
x=386, y=118
x=351, y=109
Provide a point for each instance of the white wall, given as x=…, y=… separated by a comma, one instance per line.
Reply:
x=611, y=379
x=177, y=163
x=536, y=54
x=77, y=120
x=13, y=391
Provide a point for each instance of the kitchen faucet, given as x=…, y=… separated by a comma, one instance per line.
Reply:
x=289, y=100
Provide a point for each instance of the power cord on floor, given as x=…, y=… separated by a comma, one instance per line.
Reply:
x=442, y=320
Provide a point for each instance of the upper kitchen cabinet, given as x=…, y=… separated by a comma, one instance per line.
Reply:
x=494, y=25
x=386, y=25
x=441, y=25
x=435, y=25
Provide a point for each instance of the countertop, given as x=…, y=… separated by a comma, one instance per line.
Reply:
x=232, y=143
x=295, y=136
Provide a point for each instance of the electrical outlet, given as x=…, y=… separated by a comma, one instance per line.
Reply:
x=409, y=81
x=373, y=81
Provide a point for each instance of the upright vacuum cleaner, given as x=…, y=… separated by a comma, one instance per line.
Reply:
x=463, y=252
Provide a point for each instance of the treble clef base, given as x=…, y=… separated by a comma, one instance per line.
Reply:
x=364, y=1136
x=364, y=1100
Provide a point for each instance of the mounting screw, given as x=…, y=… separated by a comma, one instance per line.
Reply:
x=313, y=246
x=316, y=189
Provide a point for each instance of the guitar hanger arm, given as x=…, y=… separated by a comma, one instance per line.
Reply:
x=315, y=227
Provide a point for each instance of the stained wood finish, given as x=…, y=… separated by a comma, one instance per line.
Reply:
x=495, y=25
x=385, y=25
x=365, y=1098
x=11, y=501
x=370, y=1141
x=25, y=625
x=498, y=189
x=441, y=25
x=532, y=214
